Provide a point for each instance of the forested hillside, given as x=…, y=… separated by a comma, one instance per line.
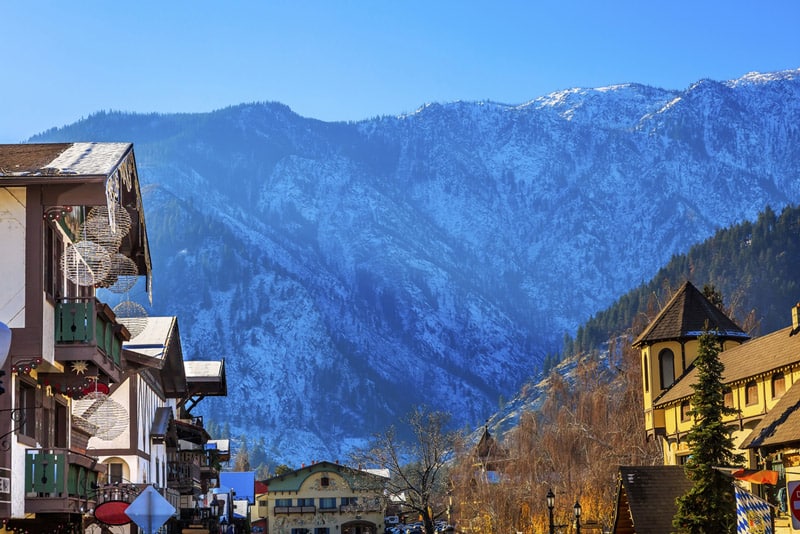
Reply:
x=572, y=430
x=754, y=264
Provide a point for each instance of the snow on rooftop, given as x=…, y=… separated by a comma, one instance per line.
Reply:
x=151, y=341
x=198, y=368
x=90, y=158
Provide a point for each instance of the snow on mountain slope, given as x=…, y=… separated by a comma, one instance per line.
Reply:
x=347, y=271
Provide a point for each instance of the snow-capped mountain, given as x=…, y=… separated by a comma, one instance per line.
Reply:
x=347, y=271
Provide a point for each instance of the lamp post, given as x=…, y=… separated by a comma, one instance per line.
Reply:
x=449, y=507
x=214, y=519
x=551, y=502
x=577, y=510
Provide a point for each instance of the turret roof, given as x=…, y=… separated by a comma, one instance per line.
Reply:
x=685, y=316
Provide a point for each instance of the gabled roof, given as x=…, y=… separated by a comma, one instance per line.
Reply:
x=759, y=356
x=206, y=377
x=158, y=346
x=161, y=424
x=108, y=169
x=646, y=498
x=261, y=488
x=685, y=316
x=62, y=160
x=293, y=480
x=781, y=425
x=489, y=452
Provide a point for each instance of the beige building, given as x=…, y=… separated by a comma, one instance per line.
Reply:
x=325, y=498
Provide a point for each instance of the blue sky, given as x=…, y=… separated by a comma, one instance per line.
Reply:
x=350, y=60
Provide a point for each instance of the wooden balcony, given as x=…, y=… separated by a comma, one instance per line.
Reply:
x=183, y=477
x=87, y=330
x=60, y=481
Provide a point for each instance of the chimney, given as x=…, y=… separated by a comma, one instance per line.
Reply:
x=796, y=316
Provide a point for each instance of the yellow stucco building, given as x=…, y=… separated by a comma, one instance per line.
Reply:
x=757, y=375
x=325, y=498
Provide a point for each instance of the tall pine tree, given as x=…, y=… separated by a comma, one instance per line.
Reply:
x=709, y=507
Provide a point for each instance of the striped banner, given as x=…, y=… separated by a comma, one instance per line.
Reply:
x=753, y=514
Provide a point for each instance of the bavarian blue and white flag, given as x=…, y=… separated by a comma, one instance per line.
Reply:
x=753, y=514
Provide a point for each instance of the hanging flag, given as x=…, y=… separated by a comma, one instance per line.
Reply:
x=763, y=476
x=753, y=514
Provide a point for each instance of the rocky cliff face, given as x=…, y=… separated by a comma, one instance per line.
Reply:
x=347, y=271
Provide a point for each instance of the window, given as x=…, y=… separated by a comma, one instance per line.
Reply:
x=327, y=503
x=305, y=502
x=685, y=409
x=646, y=374
x=778, y=385
x=349, y=501
x=666, y=364
x=322, y=530
x=300, y=531
x=728, y=397
x=751, y=393
x=283, y=502
x=54, y=424
x=27, y=409
x=115, y=473
x=262, y=502
x=324, y=482
x=52, y=262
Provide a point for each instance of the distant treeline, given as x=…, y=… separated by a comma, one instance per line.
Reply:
x=754, y=265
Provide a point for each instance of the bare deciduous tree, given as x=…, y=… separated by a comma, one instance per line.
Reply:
x=418, y=468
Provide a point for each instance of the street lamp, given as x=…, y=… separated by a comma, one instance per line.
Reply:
x=551, y=502
x=577, y=510
x=449, y=507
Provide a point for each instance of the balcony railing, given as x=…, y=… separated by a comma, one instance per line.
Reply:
x=183, y=476
x=59, y=480
x=295, y=510
x=87, y=330
x=88, y=321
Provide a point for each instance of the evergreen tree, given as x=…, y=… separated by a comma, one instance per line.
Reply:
x=709, y=507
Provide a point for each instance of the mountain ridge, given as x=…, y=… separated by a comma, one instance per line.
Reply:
x=349, y=270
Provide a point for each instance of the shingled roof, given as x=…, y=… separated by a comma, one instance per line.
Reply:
x=686, y=316
x=646, y=498
x=781, y=426
x=763, y=355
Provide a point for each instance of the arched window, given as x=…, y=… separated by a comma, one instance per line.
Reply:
x=666, y=365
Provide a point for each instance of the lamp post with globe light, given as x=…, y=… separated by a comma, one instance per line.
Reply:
x=551, y=502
